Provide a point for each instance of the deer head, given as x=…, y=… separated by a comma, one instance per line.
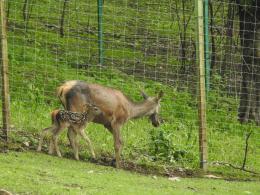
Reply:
x=154, y=113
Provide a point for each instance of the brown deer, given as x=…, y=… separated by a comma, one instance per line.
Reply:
x=62, y=119
x=116, y=108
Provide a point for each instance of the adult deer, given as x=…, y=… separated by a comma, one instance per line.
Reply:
x=116, y=109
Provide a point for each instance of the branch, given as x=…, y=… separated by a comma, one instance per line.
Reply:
x=235, y=167
x=217, y=9
x=25, y=10
x=246, y=149
x=242, y=168
x=62, y=18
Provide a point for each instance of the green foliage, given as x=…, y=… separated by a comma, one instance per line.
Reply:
x=162, y=147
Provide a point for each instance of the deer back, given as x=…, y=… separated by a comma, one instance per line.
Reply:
x=112, y=103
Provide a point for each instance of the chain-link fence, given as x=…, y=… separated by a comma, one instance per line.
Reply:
x=147, y=45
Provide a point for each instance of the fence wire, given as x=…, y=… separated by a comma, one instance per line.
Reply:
x=148, y=45
x=234, y=27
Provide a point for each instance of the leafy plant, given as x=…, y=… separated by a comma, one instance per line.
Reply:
x=161, y=146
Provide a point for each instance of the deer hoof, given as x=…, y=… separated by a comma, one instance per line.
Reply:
x=50, y=152
x=93, y=156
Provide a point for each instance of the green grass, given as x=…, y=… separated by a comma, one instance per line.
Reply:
x=33, y=173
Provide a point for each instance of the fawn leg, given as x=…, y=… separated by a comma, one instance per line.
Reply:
x=51, y=147
x=86, y=138
x=43, y=133
x=55, y=137
x=72, y=135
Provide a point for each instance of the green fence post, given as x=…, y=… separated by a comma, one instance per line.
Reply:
x=100, y=32
x=206, y=43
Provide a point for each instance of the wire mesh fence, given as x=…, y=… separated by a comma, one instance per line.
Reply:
x=147, y=45
x=234, y=26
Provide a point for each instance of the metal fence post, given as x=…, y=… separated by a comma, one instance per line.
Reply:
x=100, y=32
x=202, y=90
x=4, y=71
x=206, y=40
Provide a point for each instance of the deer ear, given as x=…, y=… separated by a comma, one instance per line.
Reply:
x=145, y=96
x=159, y=96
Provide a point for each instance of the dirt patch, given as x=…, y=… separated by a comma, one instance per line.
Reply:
x=146, y=169
x=23, y=141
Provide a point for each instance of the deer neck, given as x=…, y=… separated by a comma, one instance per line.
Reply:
x=138, y=110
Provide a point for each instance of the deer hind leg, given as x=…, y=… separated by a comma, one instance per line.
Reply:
x=43, y=133
x=72, y=135
x=86, y=138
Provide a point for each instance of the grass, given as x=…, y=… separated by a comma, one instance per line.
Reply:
x=36, y=173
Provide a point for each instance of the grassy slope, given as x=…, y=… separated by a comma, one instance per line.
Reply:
x=41, y=174
x=40, y=60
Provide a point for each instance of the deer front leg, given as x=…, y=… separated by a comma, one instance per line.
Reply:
x=117, y=144
x=72, y=135
x=86, y=138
